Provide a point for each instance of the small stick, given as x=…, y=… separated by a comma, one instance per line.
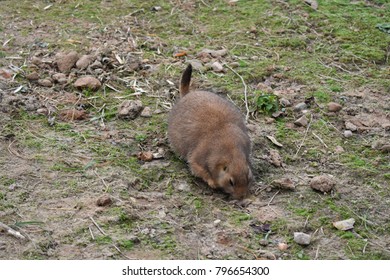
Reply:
x=93, y=221
x=11, y=231
x=245, y=91
x=120, y=252
x=304, y=137
x=272, y=198
x=90, y=231
x=318, y=137
x=318, y=249
x=104, y=182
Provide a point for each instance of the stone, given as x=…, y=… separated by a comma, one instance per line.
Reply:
x=130, y=109
x=300, y=106
x=33, y=76
x=217, y=67
x=217, y=222
x=334, y=107
x=104, y=200
x=196, y=64
x=73, y=114
x=282, y=246
x=339, y=150
x=66, y=61
x=275, y=158
x=302, y=121
x=350, y=126
x=302, y=238
x=58, y=77
x=146, y=112
x=36, y=61
x=284, y=102
x=345, y=224
x=87, y=82
x=322, y=183
x=347, y=133
x=84, y=61
x=45, y=82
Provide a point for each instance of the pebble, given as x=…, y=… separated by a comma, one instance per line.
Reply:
x=302, y=238
x=334, y=107
x=322, y=183
x=217, y=222
x=282, y=246
x=87, y=82
x=66, y=61
x=104, y=200
x=264, y=88
x=84, y=61
x=34, y=76
x=345, y=224
x=339, y=149
x=196, y=64
x=302, y=121
x=300, y=106
x=130, y=109
x=285, y=102
x=217, y=67
x=347, y=133
x=45, y=82
x=350, y=126
x=36, y=60
x=59, y=76
x=146, y=112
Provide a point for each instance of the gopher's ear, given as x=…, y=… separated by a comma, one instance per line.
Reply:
x=185, y=81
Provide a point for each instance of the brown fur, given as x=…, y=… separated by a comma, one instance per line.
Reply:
x=209, y=132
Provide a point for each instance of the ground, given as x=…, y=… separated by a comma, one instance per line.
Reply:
x=81, y=180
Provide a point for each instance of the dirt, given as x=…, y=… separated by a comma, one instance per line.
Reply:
x=80, y=179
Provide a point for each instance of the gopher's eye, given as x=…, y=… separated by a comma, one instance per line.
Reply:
x=224, y=168
x=231, y=182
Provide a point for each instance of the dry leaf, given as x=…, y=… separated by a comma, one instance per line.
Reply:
x=273, y=140
x=180, y=54
x=145, y=156
x=73, y=114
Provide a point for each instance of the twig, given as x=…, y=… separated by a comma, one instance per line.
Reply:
x=205, y=3
x=304, y=137
x=318, y=137
x=90, y=231
x=104, y=182
x=318, y=249
x=93, y=221
x=272, y=198
x=120, y=252
x=245, y=91
x=11, y=231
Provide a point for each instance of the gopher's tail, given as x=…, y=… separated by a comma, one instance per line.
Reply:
x=185, y=81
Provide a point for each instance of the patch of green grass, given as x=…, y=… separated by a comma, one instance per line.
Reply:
x=102, y=240
x=126, y=244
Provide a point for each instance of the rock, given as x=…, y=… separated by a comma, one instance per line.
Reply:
x=302, y=238
x=217, y=222
x=45, y=82
x=33, y=76
x=284, y=102
x=300, y=106
x=322, y=183
x=339, y=150
x=145, y=156
x=350, y=126
x=42, y=111
x=183, y=186
x=104, y=200
x=345, y=224
x=212, y=53
x=302, y=121
x=269, y=120
x=347, y=133
x=146, y=112
x=130, y=109
x=264, y=242
x=275, y=158
x=334, y=107
x=60, y=78
x=217, y=67
x=87, y=82
x=283, y=246
x=284, y=183
x=96, y=65
x=264, y=88
x=84, y=61
x=196, y=64
x=65, y=62
x=36, y=61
